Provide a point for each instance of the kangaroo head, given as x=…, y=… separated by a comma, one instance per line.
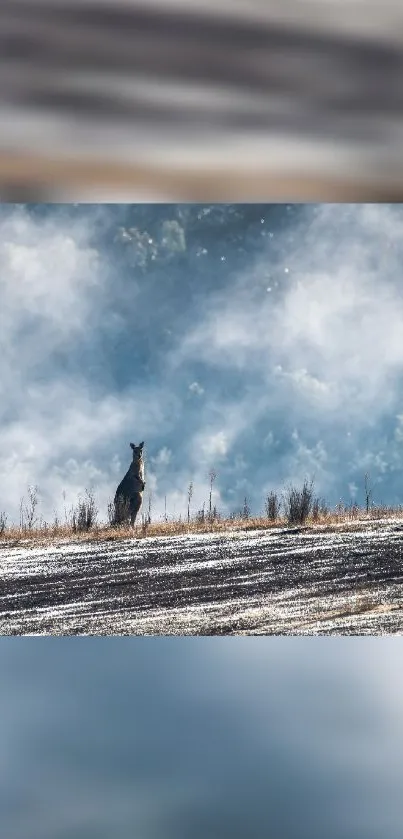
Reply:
x=137, y=450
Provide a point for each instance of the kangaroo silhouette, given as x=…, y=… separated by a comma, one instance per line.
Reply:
x=129, y=494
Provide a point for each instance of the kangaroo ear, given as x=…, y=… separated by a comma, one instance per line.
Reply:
x=132, y=446
x=141, y=445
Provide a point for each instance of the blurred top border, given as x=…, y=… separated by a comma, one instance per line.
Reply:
x=190, y=100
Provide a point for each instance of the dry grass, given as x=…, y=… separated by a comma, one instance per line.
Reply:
x=342, y=516
x=111, y=533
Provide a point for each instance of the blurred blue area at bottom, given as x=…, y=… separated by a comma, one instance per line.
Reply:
x=178, y=737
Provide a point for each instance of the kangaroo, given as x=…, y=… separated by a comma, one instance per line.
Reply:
x=129, y=494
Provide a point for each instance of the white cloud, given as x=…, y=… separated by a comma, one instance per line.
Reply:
x=335, y=333
x=196, y=388
x=49, y=280
x=162, y=458
x=214, y=445
x=327, y=348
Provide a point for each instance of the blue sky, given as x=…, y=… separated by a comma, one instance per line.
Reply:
x=229, y=737
x=270, y=356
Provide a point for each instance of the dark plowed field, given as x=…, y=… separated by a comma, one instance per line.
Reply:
x=280, y=581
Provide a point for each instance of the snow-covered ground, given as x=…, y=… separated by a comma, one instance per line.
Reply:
x=279, y=581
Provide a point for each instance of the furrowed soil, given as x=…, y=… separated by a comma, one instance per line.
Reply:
x=280, y=581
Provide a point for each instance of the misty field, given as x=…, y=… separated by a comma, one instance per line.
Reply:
x=347, y=579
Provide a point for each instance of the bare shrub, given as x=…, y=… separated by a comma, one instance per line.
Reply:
x=201, y=514
x=190, y=493
x=212, y=515
x=354, y=510
x=315, y=509
x=368, y=491
x=27, y=509
x=84, y=515
x=66, y=519
x=272, y=506
x=340, y=509
x=298, y=503
x=212, y=476
x=324, y=509
x=3, y=523
x=145, y=524
x=319, y=509
x=245, y=512
x=110, y=513
x=382, y=511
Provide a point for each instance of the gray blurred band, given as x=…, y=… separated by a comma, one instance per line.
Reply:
x=194, y=101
